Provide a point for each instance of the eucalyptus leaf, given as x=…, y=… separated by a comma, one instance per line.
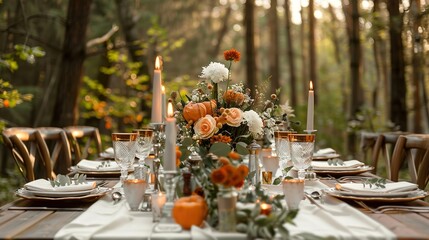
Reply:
x=220, y=149
x=277, y=181
x=187, y=142
x=241, y=148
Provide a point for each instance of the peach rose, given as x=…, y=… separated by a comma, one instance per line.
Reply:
x=205, y=127
x=234, y=117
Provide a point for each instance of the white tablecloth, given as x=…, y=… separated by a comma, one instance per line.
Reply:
x=338, y=220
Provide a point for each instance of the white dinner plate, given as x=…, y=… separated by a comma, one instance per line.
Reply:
x=342, y=172
x=61, y=194
x=410, y=196
x=375, y=193
x=95, y=194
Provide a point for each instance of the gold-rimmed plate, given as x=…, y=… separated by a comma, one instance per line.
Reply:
x=325, y=156
x=95, y=194
x=339, y=172
x=414, y=195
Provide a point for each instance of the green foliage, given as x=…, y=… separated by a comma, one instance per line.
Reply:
x=336, y=162
x=64, y=180
x=377, y=182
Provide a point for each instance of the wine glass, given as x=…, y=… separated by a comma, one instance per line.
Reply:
x=124, y=146
x=144, y=143
x=282, y=147
x=301, y=151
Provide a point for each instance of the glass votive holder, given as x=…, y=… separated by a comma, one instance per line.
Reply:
x=158, y=201
x=267, y=177
x=271, y=163
x=266, y=208
x=293, y=189
x=134, y=190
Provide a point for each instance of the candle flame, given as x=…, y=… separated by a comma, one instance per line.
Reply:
x=311, y=85
x=158, y=63
x=170, y=109
x=163, y=89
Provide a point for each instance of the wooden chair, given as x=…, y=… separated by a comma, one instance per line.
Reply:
x=29, y=151
x=384, y=146
x=415, y=150
x=83, y=136
x=367, y=143
x=59, y=148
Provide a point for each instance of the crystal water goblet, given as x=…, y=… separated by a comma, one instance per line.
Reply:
x=301, y=151
x=282, y=147
x=124, y=147
x=144, y=144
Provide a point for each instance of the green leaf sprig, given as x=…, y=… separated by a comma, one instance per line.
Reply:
x=63, y=180
x=336, y=162
x=377, y=182
x=104, y=164
x=278, y=180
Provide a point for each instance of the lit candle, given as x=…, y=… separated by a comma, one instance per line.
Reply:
x=158, y=201
x=163, y=102
x=265, y=209
x=170, y=140
x=156, y=116
x=310, y=108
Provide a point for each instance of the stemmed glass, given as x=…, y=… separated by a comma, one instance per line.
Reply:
x=144, y=143
x=301, y=151
x=124, y=146
x=282, y=147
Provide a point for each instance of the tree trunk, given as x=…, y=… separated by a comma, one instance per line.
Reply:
x=128, y=21
x=274, y=46
x=380, y=59
x=351, y=12
x=417, y=70
x=398, y=107
x=312, y=46
x=249, y=23
x=66, y=104
x=337, y=47
x=291, y=54
x=304, y=63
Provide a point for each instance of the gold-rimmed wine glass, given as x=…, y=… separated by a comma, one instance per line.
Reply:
x=124, y=147
x=301, y=151
x=144, y=143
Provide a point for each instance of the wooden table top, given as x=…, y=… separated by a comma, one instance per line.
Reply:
x=44, y=224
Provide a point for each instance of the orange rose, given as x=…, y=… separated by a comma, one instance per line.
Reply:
x=234, y=117
x=205, y=127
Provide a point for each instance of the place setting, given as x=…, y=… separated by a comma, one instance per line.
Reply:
x=377, y=190
x=338, y=167
x=63, y=188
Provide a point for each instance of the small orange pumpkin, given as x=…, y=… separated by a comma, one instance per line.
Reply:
x=188, y=211
x=210, y=106
x=194, y=111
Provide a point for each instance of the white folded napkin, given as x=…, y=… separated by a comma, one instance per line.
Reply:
x=94, y=165
x=347, y=165
x=390, y=187
x=45, y=186
x=100, y=216
x=324, y=151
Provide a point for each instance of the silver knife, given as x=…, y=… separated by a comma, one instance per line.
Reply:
x=46, y=208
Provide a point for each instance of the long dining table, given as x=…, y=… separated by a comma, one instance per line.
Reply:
x=25, y=219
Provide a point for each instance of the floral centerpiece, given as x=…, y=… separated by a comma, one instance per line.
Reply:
x=219, y=111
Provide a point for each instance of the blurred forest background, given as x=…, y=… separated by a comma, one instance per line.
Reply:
x=90, y=62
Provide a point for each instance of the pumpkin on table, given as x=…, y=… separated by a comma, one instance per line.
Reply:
x=188, y=211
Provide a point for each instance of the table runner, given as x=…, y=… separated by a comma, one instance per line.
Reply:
x=337, y=220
